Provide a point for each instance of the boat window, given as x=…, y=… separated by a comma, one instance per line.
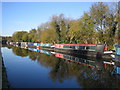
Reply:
x=81, y=60
x=81, y=47
x=67, y=57
x=73, y=47
x=76, y=59
x=76, y=47
x=92, y=48
x=73, y=58
x=66, y=46
x=87, y=62
x=87, y=47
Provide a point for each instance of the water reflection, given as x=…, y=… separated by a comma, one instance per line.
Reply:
x=88, y=73
x=20, y=52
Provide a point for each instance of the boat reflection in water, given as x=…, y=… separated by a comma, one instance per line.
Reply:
x=34, y=49
x=41, y=51
x=87, y=72
x=76, y=60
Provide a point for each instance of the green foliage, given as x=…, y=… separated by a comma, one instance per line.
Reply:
x=63, y=31
x=32, y=35
x=5, y=39
x=20, y=52
x=25, y=37
x=17, y=36
x=99, y=12
x=87, y=29
x=74, y=32
x=58, y=32
x=99, y=24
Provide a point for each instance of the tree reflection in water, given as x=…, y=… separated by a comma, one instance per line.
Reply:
x=61, y=69
x=33, y=55
x=20, y=51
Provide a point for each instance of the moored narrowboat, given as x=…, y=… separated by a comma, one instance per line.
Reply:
x=34, y=45
x=46, y=45
x=118, y=50
x=24, y=44
x=117, y=55
x=18, y=44
x=12, y=43
x=81, y=49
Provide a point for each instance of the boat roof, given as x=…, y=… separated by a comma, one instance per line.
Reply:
x=77, y=44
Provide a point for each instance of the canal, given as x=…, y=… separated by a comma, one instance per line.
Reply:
x=44, y=69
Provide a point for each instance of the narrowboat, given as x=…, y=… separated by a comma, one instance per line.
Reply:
x=17, y=44
x=46, y=45
x=116, y=56
x=118, y=50
x=12, y=43
x=37, y=45
x=34, y=45
x=116, y=70
x=81, y=49
x=24, y=44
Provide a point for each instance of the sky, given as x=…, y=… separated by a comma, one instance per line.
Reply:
x=17, y=16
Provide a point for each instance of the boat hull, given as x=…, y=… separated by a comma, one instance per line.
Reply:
x=79, y=52
x=98, y=51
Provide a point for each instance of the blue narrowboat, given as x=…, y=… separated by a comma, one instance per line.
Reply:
x=118, y=50
x=46, y=45
x=34, y=45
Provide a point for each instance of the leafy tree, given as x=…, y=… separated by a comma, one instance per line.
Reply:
x=99, y=24
x=39, y=34
x=117, y=20
x=74, y=32
x=25, y=37
x=98, y=13
x=32, y=35
x=63, y=31
x=87, y=29
x=58, y=32
x=17, y=36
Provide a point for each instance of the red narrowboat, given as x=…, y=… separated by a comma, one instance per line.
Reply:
x=81, y=49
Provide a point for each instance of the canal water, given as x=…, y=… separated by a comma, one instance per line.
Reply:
x=30, y=68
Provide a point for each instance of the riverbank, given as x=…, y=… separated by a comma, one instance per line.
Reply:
x=3, y=76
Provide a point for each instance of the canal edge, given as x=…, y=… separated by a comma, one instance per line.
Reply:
x=0, y=69
x=3, y=75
